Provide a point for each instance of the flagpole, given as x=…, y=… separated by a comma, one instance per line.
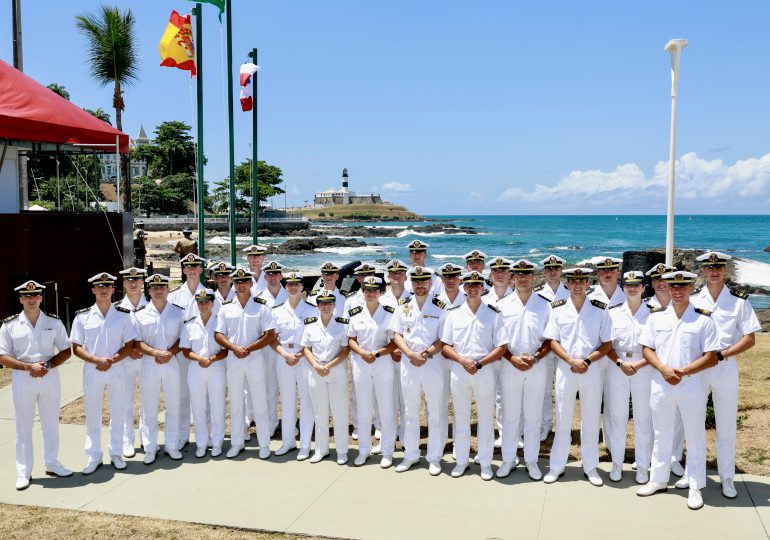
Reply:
x=229, y=23
x=199, y=86
x=254, y=162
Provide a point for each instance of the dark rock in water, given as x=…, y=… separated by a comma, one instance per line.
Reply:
x=767, y=248
x=764, y=319
x=386, y=232
x=748, y=289
x=298, y=246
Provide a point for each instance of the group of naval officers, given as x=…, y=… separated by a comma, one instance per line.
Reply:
x=482, y=333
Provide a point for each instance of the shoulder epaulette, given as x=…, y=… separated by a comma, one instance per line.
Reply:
x=278, y=305
x=116, y=302
x=191, y=319
x=453, y=307
x=599, y=304
x=354, y=311
x=78, y=312
x=310, y=320
x=227, y=302
x=313, y=293
x=140, y=308
x=544, y=298
x=342, y=320
x=175, y=289
x=177, y=305
x=591, y=289
x=616, y=305
x=696, y=291
x=493, y=308
x=309, y=304
x=9, y=319
x=656, y=309
x=439, y=303
x=739, y=294
x=705, y=312
x=122, y=309
x=260, y=300
x=403, y=301
x=558, y=303
x=646, y=298
x=52, y=315
x=347, y=294
x=389, y=309
x=486, y=291
x=539, y=288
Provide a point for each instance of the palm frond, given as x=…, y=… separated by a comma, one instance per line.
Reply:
x=113, y=54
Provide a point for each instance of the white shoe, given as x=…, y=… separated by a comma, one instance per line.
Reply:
x=520, y=444
x=216, y=451
x=303, y=454
x=118, y=463
x=651, y=488
x=22, y=483
x=283, y=450
x=361, y=459
x=616, y=474
x=476, y=459
x=594, y=478
x=377, y=450
x=318, y=456
x=91, y=467
x=676, y=468
x=355, y=435
x=682, y=483
x=642, y=477
x=434, y=468
x=62, y=472
x=264, y=452
x=149, y=458
x=342, y=459
x=505, y=469
x=459, y=470
x=386, y=462
x=694, y=499
x=405, y=465
x=534, y=471
x=377, y=434
x=486, y=472
x=728, y=488
x=129, y=452
x=633, y=466
x=234, y=451
x=200, y=452
x=498, y=442
x=552, y=476
x=173, y=453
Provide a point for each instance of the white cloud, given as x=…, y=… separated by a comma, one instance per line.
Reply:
x=697, y=179
x=477, y=196
x=394, y=187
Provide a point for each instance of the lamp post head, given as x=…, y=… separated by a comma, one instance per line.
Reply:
x=675, y=44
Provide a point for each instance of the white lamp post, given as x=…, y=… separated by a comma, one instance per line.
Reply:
x=674, y=47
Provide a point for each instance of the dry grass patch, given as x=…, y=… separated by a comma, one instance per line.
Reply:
x=5, y=377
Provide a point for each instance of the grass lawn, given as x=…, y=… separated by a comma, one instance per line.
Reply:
x=360, y=211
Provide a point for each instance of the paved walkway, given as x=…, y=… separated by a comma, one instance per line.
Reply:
x=368, y=502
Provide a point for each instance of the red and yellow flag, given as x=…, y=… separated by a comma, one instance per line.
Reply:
x=176, y=46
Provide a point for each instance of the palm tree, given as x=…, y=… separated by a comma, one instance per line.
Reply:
x=59, y=89
x=113, y=55
x=100, y=113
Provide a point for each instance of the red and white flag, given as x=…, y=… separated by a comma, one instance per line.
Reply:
x=247, y=93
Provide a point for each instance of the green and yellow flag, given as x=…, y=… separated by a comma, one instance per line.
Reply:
x=219, y=3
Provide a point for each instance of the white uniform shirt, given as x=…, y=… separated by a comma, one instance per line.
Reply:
x=290, y=323
x=618, y=297
x=389, y=299
x=419, y=327
x=627, y=327
x=525, y=323
x=561, y=292
x=159, y=330
x=126, y=303
x=653, y=302
x=199, y=338
x=677, y=342
x=474, y=335
x=733, y=316
x=371, y=332
x=325, y=341
x=32, y=344
x=102, y=336
x=353, y=301
x=436, y=286
x=491, y=297
x=182, y=297
x=271, y=300
x=339, y=301
x=219, y=300
x=258, y=285
x=579, y=333
x=244, y=325
x=459, y=299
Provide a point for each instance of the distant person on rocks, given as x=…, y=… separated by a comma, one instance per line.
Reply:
x=186, y=245
x=139, y=248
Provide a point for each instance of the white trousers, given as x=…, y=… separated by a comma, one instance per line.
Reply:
x=157, y=377
x=621, y=387
x=133, y=369
x=550, y=361
x=398, y=399
x=183, y=431
x=521, y=392
x=589, y=385
x=427, y=379
x=271, y=381
x=293, y=383
x=480, y=386
x=375, y=382
x=330, y=394
x=94, y=385
x=689, y=399
x=31, y=393
x=208, y=387
x=722, y=381
x=239, y=371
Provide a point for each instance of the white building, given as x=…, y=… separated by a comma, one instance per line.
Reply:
x=138, y=167
x=332, y=196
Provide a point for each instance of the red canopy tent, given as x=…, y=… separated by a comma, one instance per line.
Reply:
x=31, y=112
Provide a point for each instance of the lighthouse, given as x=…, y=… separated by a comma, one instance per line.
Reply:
x=345, y=191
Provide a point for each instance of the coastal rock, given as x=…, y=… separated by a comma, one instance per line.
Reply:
x=387, y=232
x=298, y=246
x=767, y=248
x=764, y=319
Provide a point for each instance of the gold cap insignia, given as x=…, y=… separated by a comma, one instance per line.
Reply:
x=133, y=272
x=30, y=286
x=241, y=273
x=104, y=277
x=156, y=279
x=608, y=262
x=713, y=258
x=678, y=277
x=661, y=268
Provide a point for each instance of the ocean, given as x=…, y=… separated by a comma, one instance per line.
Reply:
x=574, y=238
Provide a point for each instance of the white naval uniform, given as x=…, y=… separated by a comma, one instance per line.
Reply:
x=389, y=299
x=219, y=300
x=160, y=330
x=293, y=380
x=133, y=369
x=258, y=285
x=103, y=336
x=181, y=296
x=579, y=333
x=33, y=344
x=243, y=325
x=626, y=329
x=550, y=361
x=329, y=393
x=677, y=342
x=421, y=328
x=353, y=301
x=207, y=385
x=734, y=318
x=436, y=285
x=521, y=390
x=375, y=379
x=491, y=298
x=473, y=336
x=339, y=301
x=459, y=300
x=272, y=376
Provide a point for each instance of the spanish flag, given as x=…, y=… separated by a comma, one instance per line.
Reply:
x=176, y=46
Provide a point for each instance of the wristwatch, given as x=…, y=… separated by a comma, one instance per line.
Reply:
x=478, y=364
x=618, y=363
x=536, y=357
x=587, y=361
x=428, y=355
x=720, y=356
x=377, y=354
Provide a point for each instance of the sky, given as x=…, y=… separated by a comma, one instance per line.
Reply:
x=447, y=107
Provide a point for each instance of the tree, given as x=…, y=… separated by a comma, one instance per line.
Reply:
x=163, y=198
x=176, y=149
x=220, y=198
x=100, y=113
x=113, y=57
x=59, y=89
x=269, y=176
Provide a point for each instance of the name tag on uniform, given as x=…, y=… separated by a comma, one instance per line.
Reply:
x=430, y=316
